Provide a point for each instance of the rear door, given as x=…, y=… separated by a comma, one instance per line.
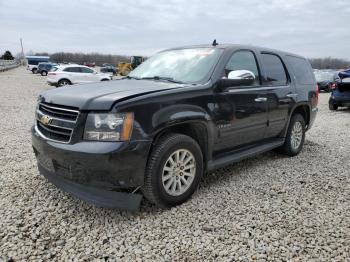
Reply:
x=280, y=92
x=241, y=110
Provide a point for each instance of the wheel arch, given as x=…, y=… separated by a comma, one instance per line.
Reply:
x=196, y=129
x=300, y=108
x=64, y=78
x=304, y=110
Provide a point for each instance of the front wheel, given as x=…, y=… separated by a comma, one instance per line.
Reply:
x=295, y=136
x=174, y=170
x=34, y=70
x=43, y=73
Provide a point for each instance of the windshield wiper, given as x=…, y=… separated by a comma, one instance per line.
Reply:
x=132, y=77
x=169, y=79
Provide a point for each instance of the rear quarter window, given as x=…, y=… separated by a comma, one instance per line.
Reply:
x=302, y=70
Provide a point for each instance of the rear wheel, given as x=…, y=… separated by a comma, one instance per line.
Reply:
x=64, y=82
x=34, y=70
x=174, y=170
x=295, y=136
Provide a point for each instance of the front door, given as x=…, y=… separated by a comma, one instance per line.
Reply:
x=88, y=75
x=75, y=74
x=241, y=110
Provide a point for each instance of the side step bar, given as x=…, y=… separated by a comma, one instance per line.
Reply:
x=243, y=154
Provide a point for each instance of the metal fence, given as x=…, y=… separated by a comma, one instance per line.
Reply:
x=8, y=64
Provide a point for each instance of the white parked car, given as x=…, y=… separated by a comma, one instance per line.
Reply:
x=74, y=74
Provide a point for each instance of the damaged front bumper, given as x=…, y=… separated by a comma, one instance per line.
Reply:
x=102, y=173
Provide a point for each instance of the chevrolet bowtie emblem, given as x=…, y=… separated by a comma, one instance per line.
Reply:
x=45, y=120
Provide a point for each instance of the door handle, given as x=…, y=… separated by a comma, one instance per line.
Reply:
x=260, y=99
x=292, y=95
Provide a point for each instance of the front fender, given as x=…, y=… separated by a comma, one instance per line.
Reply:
x=179, y=113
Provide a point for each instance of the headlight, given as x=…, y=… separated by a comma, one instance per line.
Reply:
x=109, y=126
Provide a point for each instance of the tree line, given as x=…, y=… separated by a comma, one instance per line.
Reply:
x=99, y=59
x=81, y=58
x=329, y=63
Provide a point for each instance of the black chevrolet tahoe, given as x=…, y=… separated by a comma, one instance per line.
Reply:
x=182, y=113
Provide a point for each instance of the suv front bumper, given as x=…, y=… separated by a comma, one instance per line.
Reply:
x=102, y=173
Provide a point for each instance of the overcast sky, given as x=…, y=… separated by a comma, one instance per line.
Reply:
x=313, y=28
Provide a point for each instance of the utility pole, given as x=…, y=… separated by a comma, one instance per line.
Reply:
x=22, y=48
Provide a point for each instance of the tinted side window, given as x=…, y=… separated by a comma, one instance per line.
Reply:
x=86, y=70
x=32, y=62
x=72, y=69
x=274, y=69
x=243, y=60
x=302, y=70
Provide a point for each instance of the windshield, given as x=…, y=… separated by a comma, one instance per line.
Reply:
x=184, y=65
x=324, y=76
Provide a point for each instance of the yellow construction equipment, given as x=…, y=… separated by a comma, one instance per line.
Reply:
x=125, y=68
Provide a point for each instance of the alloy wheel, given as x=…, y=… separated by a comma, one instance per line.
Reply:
x=297, y=135
x=178, y=172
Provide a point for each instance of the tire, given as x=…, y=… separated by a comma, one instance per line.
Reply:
x=63, y=82
x=43, y=73
x=155, y=188
x=332, y=107
x=34, y=70
x=105, y=79
x=295, y=137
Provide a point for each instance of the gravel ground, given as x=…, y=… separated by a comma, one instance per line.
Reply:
x=266, y=208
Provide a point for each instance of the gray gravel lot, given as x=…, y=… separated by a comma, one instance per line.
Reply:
x=266, y=208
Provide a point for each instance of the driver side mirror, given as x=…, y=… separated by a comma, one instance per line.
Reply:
x=237, y=78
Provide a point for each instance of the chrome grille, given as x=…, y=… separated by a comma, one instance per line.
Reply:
x=55, y=122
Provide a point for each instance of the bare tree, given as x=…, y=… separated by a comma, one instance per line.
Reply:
x=80, y=58
x=329, y=63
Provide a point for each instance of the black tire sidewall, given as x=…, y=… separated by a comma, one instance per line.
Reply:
x=185, y=143
x=63, y=80
x=333, y=107
x=43, y=73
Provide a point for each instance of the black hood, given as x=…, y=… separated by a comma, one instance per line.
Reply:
x=102, y=95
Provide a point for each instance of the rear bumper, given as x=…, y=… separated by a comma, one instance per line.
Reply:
x=313, y=114
x=94, y=171
x=340, y=100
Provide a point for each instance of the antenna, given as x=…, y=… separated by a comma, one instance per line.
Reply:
x=214, y=43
